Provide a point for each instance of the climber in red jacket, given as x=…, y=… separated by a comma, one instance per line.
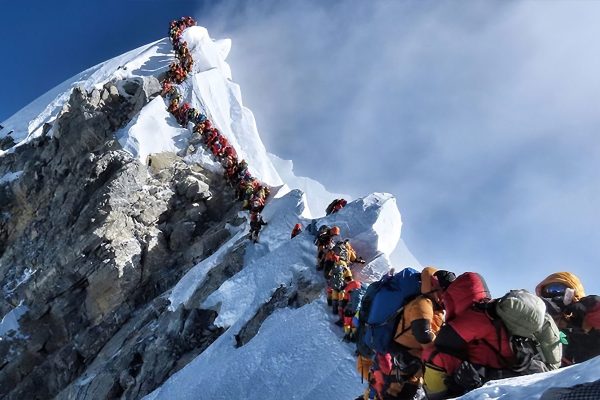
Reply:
x=469, y=340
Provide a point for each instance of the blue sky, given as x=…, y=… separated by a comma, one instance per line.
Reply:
x=482, y=121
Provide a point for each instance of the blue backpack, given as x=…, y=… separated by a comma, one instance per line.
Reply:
x=355, y=299
x=381, y=308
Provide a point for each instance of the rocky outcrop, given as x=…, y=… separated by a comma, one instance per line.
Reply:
x=302, y=293
x=89, y=240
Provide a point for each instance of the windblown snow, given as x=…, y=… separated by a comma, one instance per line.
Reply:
x=298, y=352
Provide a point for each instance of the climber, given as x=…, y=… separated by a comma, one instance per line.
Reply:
x=174, y=104
x=259, y=197
x=350, y=285
x=216, y=147
x=249, y=187
x=340, y=251
x=182, y=114
x=398, y=373
x=419, y=324
x=325, y=241
x=352, y=308
x=166, y=88
x=231, y=169
x=339, y=276
x=335, y=206
x=297, y=230
x=486, y=339
x=189, y=21
x=256, y=203
x=256, y=224
x=577, y=315
x=176, y=73
x=229, y=151
x=242, y=169
x=468, y=341
x=193, y=115
x=210, y=136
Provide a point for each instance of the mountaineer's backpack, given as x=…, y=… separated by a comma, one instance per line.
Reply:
x=341, y=251
x=331, y=208
x=592, y=317
x=381, y=308
x=355, y=298
x=338, y=276
x=534, y=335
x=585, y=313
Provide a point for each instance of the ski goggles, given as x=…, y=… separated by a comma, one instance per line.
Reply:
x=555, y=289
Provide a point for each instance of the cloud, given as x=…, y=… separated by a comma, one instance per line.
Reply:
x=481, y=120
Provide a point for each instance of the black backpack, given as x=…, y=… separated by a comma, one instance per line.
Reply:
x=341, y=250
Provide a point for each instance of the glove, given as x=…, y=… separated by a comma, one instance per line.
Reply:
x=467, y=377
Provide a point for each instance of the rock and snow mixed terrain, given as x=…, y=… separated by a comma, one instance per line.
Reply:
x=124, y=263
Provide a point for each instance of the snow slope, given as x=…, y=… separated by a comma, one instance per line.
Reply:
x=530, y=387
x=152, y=131
x=293, y=345
x=298, y=352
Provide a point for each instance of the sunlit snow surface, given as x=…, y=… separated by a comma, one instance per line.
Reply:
x=530, y=387
x=154, y=130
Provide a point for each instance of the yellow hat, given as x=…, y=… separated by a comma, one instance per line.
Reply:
x=567, y=278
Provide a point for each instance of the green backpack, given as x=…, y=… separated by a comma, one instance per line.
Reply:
x=524, y=316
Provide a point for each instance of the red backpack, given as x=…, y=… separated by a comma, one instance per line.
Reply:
x=592, y=316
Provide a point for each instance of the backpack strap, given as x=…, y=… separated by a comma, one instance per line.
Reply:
x=403, y=331
x=487, y=308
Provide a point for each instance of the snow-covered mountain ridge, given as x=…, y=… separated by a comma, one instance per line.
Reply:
x=157, y=288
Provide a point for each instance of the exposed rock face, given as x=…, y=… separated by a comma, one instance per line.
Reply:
x=89, y=240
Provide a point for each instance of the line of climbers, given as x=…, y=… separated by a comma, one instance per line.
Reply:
x=333, y=207
x=447, y=335
x=249, y=190
x=414, y=329
x=433, y=335
x=335, y=258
